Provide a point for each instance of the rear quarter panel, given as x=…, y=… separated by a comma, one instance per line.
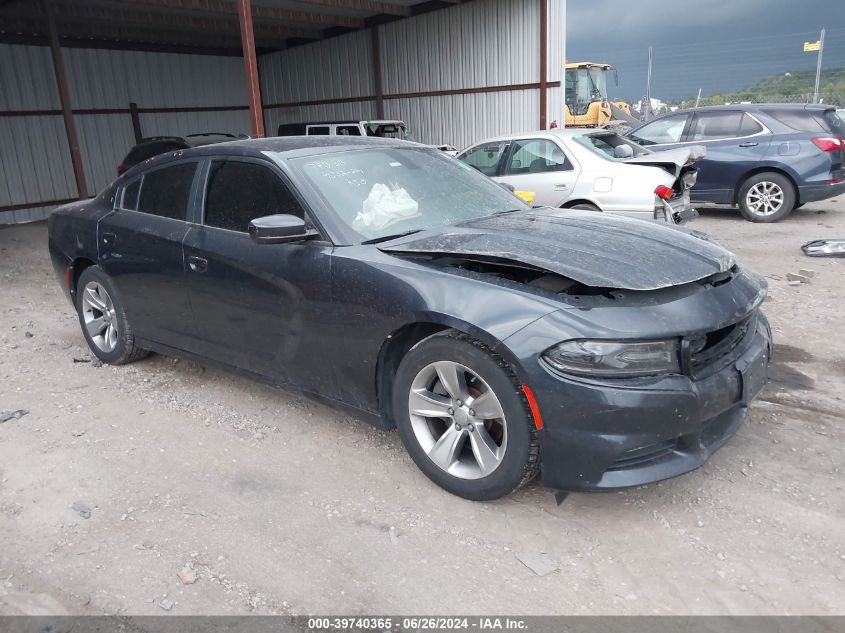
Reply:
x=622, y=188
x=72, y=235
x=796, y=155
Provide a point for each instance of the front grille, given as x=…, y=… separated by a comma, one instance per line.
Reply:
x=644, y=454
x=719, y=348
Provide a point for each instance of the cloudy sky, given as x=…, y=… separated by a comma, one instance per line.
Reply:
x=717, y=45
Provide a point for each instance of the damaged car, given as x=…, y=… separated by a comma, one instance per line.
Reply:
x=595, y=170
x=400, y=285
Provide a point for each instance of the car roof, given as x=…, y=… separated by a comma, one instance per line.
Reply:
x=551, y=134
x=314, y=145
x=820, y=107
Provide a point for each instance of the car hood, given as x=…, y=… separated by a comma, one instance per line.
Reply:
x=672, y=160
x=593, y=249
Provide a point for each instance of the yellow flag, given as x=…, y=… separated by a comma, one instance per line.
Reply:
x=809, y=47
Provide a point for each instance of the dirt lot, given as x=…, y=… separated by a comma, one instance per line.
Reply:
x=280, y=505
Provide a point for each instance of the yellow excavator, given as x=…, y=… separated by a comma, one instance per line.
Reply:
x=586, y=101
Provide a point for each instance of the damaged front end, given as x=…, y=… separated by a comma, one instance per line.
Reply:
x=653, y=355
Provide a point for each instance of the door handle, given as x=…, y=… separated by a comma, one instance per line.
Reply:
x=198, y=264
x=749, y=144
x=109, y=238
x=563, y=186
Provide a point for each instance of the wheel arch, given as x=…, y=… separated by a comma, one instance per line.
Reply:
x=571, y=203
x=762, y=169
x=77, y=267
x=397, y=344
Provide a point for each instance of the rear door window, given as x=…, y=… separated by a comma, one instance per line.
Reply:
x=662, y=131
x=535, y=156
x=130, y=195
x=319, y=130
x=749, y=126
x=485, y=158
x=712, y=126
x=165, y=192
x=240, y=191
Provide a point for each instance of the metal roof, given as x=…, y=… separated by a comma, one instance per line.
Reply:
x=198, y=25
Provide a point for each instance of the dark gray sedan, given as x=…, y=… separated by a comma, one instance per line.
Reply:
x=389, y=280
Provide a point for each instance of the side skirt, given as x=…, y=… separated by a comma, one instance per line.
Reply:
x=365, y=415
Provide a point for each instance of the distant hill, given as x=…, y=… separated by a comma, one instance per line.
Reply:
x=791, y=87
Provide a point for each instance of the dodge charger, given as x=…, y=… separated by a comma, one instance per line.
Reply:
x=391, y=281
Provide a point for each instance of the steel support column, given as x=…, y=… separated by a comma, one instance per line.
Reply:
x=64, y=99
x=376, y=46
x=136, y=121
x=253, y=87
x=544, y=56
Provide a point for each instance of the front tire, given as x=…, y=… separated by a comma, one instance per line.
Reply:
x=766, y=197
x=463, y=417
x=104, y=324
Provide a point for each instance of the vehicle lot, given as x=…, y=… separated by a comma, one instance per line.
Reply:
x=282, y=505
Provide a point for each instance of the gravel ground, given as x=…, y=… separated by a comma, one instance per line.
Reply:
x=119, y=479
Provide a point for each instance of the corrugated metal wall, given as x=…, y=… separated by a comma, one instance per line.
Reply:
x=476, y=45
x=472, y=45
x=34, y=158
x=338, y=68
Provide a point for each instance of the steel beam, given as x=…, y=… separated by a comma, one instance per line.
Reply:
x=222, y=7
x=75, y=31
x=253, y=86
x=544, y=59
x=377, y=80
x=64, y=98
x=99, y=12
x=364, y=6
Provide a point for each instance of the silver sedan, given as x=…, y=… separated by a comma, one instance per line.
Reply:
x=591, y=169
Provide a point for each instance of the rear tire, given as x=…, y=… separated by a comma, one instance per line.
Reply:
x=585, y=206
x=104, y=324
x=463, y=417
x=766, y=197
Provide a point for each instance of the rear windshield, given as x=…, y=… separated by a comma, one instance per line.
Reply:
x=809, y=120
x=835, y=122
x=607, y=144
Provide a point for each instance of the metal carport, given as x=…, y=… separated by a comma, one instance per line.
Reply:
x=82, y=80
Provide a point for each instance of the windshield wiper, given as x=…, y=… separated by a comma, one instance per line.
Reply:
x=506, y=211
x=385, y=238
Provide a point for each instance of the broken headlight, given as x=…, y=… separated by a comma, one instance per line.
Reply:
x=587, y=357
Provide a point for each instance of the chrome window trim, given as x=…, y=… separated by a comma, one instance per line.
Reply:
x=762, y=132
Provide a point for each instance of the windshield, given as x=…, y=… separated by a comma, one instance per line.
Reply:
x=382, y=192
x=583, y=86
x=606, y=145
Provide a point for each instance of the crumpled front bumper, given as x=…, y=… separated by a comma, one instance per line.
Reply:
x=612, y=436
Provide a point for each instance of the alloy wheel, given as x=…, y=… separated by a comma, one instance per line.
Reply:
x=99, y=316
x=764, y=198
x=457, y=420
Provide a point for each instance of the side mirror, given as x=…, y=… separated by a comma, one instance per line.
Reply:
x=278, y=229
x=623, y=151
